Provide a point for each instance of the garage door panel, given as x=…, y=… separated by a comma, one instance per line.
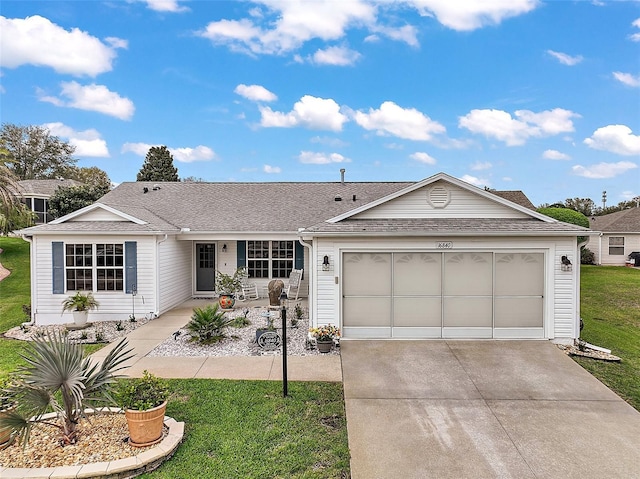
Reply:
x=468, y=274
x=367, y=274
x=468, y=312
x=417, y=273
x=424, y=312
x=519, y=274
x=374, y=312
x=518, y=312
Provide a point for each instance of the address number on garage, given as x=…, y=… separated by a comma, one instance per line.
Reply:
x=444, y=245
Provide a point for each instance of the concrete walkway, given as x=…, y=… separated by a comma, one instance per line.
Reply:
x=482, y=409
x=148, y=336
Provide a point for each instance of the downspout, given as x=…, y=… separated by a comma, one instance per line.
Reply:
x=32, y=283
x=312, y=278
x=577, y=280
x=600, y=249
x=158, y=243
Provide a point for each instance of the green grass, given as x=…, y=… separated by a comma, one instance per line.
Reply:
x=610, y=299
x=246, y=429
x=15, y=290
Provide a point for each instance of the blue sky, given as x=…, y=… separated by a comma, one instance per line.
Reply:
x=510, y=94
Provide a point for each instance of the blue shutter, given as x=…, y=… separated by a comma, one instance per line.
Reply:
x=299, y=255
x=57, y=257
x=241, y=257
x=130, y=265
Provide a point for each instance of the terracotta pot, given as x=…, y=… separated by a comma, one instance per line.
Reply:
x=5, y=434
x=226, y=301
x=145, y=427
x=325, y=345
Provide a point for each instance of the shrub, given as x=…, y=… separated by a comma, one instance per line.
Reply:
x=143, y=393
x=568, y=216
x=587, y=256
x=208, y=324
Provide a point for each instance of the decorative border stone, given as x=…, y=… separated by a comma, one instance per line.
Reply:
x=122, y=468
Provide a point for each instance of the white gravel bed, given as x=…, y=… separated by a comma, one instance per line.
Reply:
x=242, y=341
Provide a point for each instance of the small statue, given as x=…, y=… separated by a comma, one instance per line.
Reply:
x=275, y=289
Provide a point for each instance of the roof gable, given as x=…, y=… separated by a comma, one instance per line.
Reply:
x=441, y=196
x=97, y=212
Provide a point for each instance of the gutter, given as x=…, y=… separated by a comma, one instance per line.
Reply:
x=157, y=291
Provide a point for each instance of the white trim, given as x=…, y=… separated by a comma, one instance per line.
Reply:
x=355, y=332
x=95, y=206
x=518, y=333
x=405, y=332
x=443, y=176
x=467, y=333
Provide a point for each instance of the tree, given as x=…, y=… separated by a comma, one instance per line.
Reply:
x=586, y=206
x=13, y=214
x=158, y=166
x=35, y=153
x=68, y=199
x=92, y=176
x=568, y=216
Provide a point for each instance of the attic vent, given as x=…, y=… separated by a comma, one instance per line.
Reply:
x=438, y=197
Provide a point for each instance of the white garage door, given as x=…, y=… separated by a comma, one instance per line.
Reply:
x=448, y=294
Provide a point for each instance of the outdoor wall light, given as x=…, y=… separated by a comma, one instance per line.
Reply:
x=224, y=248
x=565, y=264
x=325, y=263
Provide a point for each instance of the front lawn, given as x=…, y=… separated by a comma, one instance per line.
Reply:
x=246, y=429
x=610, y=299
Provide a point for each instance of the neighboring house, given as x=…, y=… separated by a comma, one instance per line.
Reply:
x=36, y=193
x=619, y=236
x=436, y=258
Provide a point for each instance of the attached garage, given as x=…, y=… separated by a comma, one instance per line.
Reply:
x=466, y=294
x=445, y=259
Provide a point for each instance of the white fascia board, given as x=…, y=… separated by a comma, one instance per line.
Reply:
x=95, y=206
x=438, y=234
x=443, y=176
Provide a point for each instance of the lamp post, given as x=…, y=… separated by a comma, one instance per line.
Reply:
x=283, y=316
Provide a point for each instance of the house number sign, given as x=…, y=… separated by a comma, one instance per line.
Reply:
x=444, y=245
x=269, y=340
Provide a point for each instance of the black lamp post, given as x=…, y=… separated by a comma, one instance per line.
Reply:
x=283, y=316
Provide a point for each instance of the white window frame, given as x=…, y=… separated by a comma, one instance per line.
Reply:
x=266, y=254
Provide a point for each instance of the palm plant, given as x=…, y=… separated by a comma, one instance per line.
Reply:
x=58, y=378
x=208, y=324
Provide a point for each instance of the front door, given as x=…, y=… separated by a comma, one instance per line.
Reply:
x=205, y=266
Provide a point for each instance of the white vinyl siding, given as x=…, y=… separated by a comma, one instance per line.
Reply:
x=461, y=204
x=599, y=245
x=175, y=277
x=114, y=305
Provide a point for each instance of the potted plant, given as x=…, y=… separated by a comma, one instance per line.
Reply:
x=80, y=304
x=325, y=336
x=227, y=285
x=144, y=401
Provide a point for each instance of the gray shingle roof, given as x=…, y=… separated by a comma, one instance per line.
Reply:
x=515, y=196
x=439, y=226
x=625, y=221
x=43, y=187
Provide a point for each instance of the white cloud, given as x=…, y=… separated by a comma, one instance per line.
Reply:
x=479, y=166
x=338, y=56
x=617, y=139
x=183, y=155
x=391, y=119
x=309, y=112
x=555, y=155
x=635, y=37
x=271, y=169
x=189, y=155
x=604, y=170
x=314, y=158
x=325, y=140
x=166, y=6
x=423, y=157
x=255, y=93
x=481, y=182
x=88, y=143
x=288, y=25
x=472, y=15
x=92, y=98
x=627, y=78
x=502, y=126
x=407, y=34
x=116, y=42
x=566, y=59
x=36, y=41
x=628, y=195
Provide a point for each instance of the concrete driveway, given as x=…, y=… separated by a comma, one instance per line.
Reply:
x=482, y=409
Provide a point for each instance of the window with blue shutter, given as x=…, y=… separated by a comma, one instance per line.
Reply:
x=57, y=259
x=130, y=265
x=241, y=257
x=299, y=256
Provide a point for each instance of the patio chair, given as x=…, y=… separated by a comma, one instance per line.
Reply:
x=293, y=285
x=248, y=290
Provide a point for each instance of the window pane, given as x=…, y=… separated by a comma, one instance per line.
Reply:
x=616, y=241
